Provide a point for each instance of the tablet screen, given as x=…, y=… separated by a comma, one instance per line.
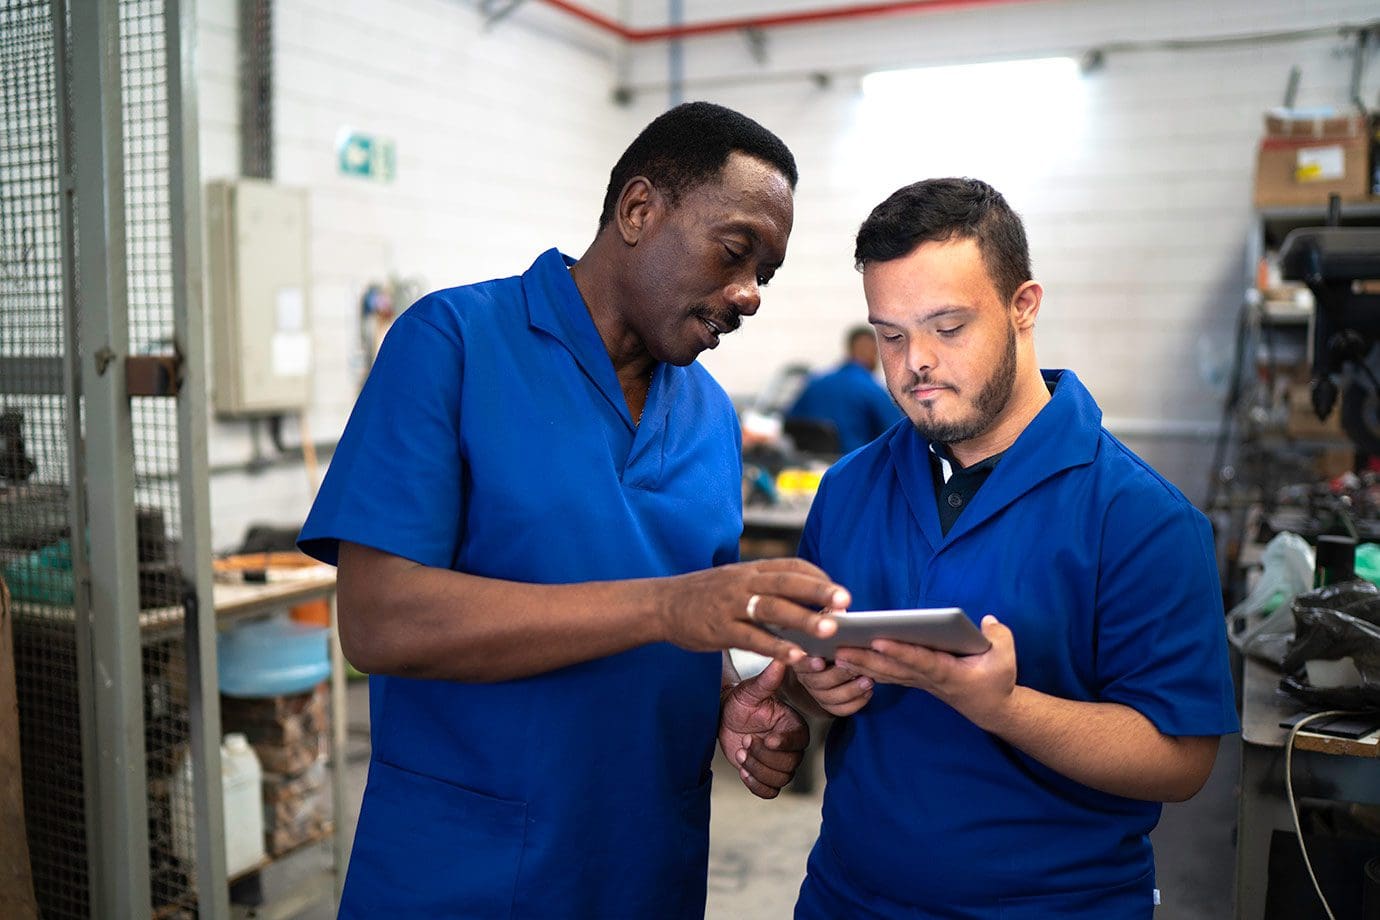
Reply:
x=947, y=629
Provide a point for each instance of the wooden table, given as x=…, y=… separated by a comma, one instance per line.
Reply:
x=1344, y=768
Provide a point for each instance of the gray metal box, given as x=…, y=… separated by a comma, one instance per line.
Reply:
x=256, y=239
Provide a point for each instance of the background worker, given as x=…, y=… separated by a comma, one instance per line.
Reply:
x=534, y=509
x=849, y=396
x=1022, y=782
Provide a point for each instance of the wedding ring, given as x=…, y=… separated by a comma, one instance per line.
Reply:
x=752, y=607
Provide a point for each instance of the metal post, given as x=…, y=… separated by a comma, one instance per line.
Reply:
x=203, y=694
x=675, y=57
x=71, y=366
x=112, y=688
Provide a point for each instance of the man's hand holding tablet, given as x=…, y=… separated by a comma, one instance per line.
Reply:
x=946, y=629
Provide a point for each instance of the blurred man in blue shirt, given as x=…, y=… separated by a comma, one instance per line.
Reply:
x=849, y=397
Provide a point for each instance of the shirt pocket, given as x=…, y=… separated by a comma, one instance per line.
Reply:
x=1133, y=900
x=428, y=848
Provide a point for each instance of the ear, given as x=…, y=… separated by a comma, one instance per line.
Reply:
x=637, y=208
x=1026, y=305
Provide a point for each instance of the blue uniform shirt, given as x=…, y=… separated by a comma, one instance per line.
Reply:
x=492, y=438
x=853, y=400
x=1106, y=576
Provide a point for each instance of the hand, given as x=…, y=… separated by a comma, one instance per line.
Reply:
x=978, y=686
x=709, y=610
x=762, y=736
x=837, y=688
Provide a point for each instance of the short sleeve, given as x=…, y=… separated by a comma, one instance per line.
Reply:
x=809, y=534
x=1161, y=635
x=394, y=481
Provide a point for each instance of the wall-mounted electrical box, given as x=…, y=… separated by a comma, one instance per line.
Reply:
x=256, y=238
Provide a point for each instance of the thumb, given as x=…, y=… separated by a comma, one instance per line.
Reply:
x=761, y=687
x=995, y=630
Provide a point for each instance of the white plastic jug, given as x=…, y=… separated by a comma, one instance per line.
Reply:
x=242, y=778
x=242, y=787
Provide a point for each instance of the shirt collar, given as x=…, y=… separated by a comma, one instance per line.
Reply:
x=1064, y=434
x=554, y=306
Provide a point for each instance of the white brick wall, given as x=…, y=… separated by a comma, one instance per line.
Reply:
x=505, y=137
x=1137, y=231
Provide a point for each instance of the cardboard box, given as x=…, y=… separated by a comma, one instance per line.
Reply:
x=1306, y=171
x=1278, y=124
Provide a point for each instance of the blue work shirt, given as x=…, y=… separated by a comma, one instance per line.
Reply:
x=1106, y=575
x=492, y=438
x=852, y=399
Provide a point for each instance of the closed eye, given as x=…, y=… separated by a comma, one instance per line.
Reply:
x=951, y=331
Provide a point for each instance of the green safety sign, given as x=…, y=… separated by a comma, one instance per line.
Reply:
x=366, y=156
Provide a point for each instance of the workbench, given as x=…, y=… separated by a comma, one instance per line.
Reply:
x=1324, y=767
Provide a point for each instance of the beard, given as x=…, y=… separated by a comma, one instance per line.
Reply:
x=989, y=403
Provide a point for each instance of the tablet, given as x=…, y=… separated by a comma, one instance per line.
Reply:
x=947, y=629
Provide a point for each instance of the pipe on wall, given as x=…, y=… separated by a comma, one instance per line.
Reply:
x=769, y=21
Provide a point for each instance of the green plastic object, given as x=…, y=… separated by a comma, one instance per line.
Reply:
x=43, y=577
x=1368, y=562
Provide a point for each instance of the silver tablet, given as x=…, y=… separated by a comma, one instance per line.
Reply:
x=947, y=629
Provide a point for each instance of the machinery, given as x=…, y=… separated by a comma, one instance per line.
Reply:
x=1341, y=266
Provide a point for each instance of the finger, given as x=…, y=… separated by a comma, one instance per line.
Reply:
x=811, y=665
x=914, y=656
x=826, y=680
x=756, y=690
x=768, y=775
x=816, y=593
x=770, y=679
x=849, y=707
x=780, y=761
x=794, y=739
x=786, y=564
x=786, y=614
x=757, y=787
x=752, y=639
x=847, y=691
x=874, y=664
x=997, y=632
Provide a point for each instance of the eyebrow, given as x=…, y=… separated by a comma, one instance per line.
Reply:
x=940, y=313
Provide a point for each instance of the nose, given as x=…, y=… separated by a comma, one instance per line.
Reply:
x=920, y=358
x=745, y=297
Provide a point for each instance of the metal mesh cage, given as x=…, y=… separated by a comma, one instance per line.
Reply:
x=39, y=423
x=144, y=99
x=35, y=499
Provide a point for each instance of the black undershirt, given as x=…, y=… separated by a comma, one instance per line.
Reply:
x=953, y=496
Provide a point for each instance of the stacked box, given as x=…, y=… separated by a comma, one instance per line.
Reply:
x=290, y=736
x=296, y=808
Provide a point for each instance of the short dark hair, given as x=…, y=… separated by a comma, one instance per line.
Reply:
x=690, y=144
x=937, y=210
x=858, y=332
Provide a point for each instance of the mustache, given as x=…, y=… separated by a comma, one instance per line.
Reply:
x=729, y=321
x=925, y=380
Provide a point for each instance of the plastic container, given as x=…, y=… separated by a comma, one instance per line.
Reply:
x=242, y=794
x=243, y=782
x=272, y=657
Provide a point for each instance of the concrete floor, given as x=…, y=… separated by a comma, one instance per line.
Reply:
x=758, y=848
